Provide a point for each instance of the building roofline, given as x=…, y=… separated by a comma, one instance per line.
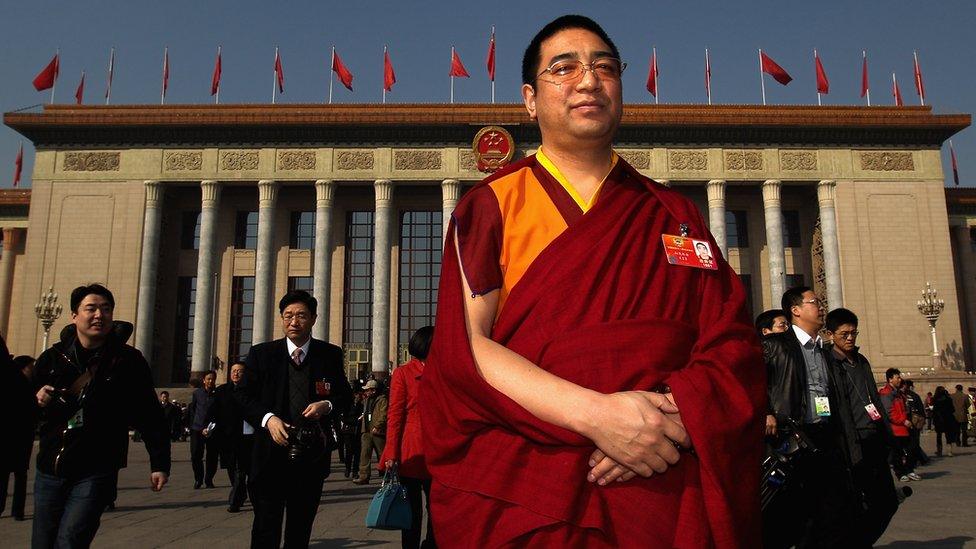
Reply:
x=15, y=197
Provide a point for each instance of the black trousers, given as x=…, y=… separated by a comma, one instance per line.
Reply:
x=902, y=456
x=239, y=469
x=199, y=444
x=354, y=445
x=284, y=487
x=20, y=492
x=411, y=538
x=876, y=488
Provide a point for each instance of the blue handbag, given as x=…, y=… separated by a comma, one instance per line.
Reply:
x=390, y=509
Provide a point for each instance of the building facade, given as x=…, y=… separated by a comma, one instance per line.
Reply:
x=200, y=218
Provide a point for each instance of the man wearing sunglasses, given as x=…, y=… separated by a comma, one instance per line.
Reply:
x=574, y=381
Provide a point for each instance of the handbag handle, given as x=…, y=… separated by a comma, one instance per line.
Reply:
x=391, y=476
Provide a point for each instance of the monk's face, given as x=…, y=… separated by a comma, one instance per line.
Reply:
x=584, y=111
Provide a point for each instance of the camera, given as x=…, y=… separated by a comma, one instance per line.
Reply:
x=306, y=443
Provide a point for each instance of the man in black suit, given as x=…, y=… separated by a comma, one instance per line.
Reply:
x=233, y=435
x=290, y=388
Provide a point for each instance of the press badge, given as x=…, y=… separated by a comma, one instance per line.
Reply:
x=688, y=252
x=872, y=412
x=822, y=405
x=323, y=388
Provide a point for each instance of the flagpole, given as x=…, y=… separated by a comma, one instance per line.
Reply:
x=819, y=104
x=894, y=87
x=217, y=95
x=708, y=78
x=274, y=79
x=82, y=87
x=384, y=73
x=57, y=55
x=762, y=81
x=493, y=77
x=111, y=67
x=867, y=90
x=918, y=79
x=331, y=73
x=657, y=81
x=162, y=87
x=452, y=75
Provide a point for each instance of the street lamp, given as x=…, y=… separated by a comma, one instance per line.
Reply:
x=47, y=310
x=930, y=306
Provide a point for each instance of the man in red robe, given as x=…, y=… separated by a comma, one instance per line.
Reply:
x=583, y=390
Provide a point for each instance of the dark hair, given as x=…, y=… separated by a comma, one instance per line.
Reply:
x=839, y=317
x=81, y=292
x=959, y=387
x=420, y=342
x=793, y=298
x=209, y=373
x=161, y=393
x=23, y=361
x=909, y=383
x=891, y=372
x=533, y=53
x=298, y=296
x=766, y=318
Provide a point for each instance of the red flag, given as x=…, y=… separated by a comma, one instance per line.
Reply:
x=46, y=78
x=491, y=56
x=708, y=77
x=457, y=68
x=823, y=85
x=919, y=85
x=771, y=68
x=165, y=72
x=279, y=73
x=864, y=75
x=19, y=165
x=111, y=73
x=652, y=74
x=955, y=168
x=344, y=75
x=895, y=91
x=215, y=80
x=80, y=91
x=389, y=77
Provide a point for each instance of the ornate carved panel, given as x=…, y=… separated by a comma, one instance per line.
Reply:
x=638, y=159
x=91, y=162
x=183, y=161
x=791, y=161
x=296, y=160
x=416, y=160
x=467, y=161
x=688, y=160
x=239, y=160
x=354, y=160
x=887, y=161
x=743, y=160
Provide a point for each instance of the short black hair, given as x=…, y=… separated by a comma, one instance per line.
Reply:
x=161, y=393
x=766, y=318
x=839, y=317
x=209, y=373
x=420, y=342
x=298, y=296
x=23, y=361
x=793, y=298
x=909, y=383
x=891, y=372
x=533, y=53
x=959, y=387
x=81, y=292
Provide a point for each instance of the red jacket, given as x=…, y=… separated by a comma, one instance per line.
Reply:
x=894, y=403
x=403, y=435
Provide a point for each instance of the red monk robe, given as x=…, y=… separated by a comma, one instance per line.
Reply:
x=601, y=307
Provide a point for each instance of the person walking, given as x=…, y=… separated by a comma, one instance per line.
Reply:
x=960, y=405
x=404, y=445
x=902, y=458
x=373, y=424
x=18, y=406
x=352, y=433
x=233, y=436
x=200, y=440
x=944, y=421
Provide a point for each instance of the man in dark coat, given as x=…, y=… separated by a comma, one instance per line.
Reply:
x=291, y=386
x=233, y=436
x=200, y=441
x=17, y=404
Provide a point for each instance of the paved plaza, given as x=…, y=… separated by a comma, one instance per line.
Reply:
x=939, y=515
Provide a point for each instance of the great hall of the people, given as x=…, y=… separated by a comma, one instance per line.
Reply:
x=199, y=217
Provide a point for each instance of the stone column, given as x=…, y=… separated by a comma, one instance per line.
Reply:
x=450, y=192
x=966, y=290
x=11, y=240
x=264, y=262
x=716, y=213
x=831, y=247
x=774, y=239
x=203, y=315
x=382, y=221
x=322, y=257
x=149, y=270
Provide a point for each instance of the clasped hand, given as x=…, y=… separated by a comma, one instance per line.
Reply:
x=636, y=433
x=278, y=429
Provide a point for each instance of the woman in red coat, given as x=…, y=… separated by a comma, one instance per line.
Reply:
x=404, y=446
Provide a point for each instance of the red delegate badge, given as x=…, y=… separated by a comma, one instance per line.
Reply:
x=323, y=388
x=688, y=252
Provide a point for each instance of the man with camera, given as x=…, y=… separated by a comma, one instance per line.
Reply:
x=92, y=387
x=290, y=388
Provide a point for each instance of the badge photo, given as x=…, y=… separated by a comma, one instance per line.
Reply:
x=323, y=388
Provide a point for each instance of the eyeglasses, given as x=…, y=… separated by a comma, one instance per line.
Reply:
x=815, y=301
x=301, y=317
x=783, y=325
x=847, y=335
x=568, y=70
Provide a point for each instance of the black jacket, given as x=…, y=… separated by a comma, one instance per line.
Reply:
x=265, y=390
x=18, y=406
x=861, y=377
x=786, y=375
x=225, y=413
x=120, y=395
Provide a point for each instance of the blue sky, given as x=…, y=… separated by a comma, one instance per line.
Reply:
x=420, y=35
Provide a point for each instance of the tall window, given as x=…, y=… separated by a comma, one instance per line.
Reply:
x=736, y=229
x=357, y=317
x=190, y=231
x=300, y=283
x=420, y=269
x=791, y=229
x=186, y=298
x=302, y=235
x=246, y=231
x=241, y=318
x=747, y=283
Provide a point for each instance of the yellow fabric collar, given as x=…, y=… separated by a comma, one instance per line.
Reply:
x=558, y=176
